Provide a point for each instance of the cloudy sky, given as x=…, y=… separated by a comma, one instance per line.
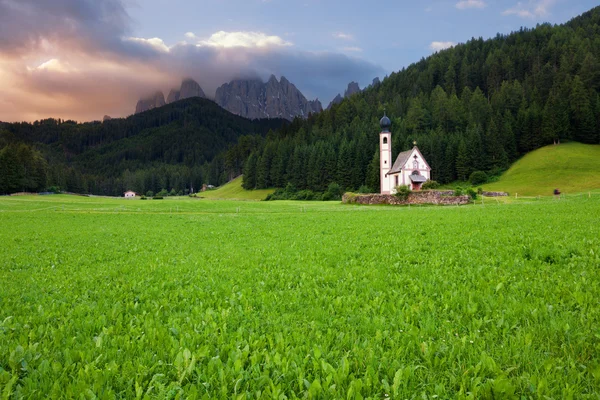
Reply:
x=82, y=59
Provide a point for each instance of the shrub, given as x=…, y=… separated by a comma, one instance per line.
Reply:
x=402, y=192
x=334, y=192
x=479, y=190
x=149, y=193
x=143, y=198
x=162, y=193
x=471, y=192
x=478, y=178
x=157, y=197
x=304, y=195
x=289, y=189
x=350, y=197
x=458, y=192
x=172, y=192
x=430, y=185
x=364, y=189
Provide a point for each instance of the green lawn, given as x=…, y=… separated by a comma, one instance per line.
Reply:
x=570, y=167
x=195, y=298
x=233, y=191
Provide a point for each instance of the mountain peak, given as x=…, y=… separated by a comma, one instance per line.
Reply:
x=272, y=99
x=150, y=102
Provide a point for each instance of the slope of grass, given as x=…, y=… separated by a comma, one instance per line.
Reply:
x=570, y=167
x=234, y=191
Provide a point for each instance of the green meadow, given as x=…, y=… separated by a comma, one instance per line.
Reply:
x=196, y=298
x=571, y=167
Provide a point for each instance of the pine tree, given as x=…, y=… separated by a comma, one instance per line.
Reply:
x=373, y=173
x=463, y=164
x=582, y=117
x=249, y=178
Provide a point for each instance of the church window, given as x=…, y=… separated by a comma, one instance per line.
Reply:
x=415, y=164
x=384, y=140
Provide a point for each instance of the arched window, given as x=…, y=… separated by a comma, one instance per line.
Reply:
x=385, y=140
x=415, y=172
x=415, y=164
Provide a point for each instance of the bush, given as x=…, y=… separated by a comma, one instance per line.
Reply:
x=304, y=195
x=479, y=190
x=157, y=197
x=430, y=185
x=350, y=197
x=333, y=192
x=143, y=198
x=162, y=193
x=471, y=192
x=458, y=192
x=149, y=193
x=402, y=192
x=172, y=192
x=364, y=189
x=478, y=178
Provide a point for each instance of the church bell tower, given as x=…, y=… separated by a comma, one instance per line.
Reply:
x=385, y=154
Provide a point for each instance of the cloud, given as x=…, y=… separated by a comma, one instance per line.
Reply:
x=29, y=25
x=77, y=59
x=155, y=43
x=438, y=46
x=464, y=4
x=353, y=49
x=343, y=36
x=532, y=9
x=242, y=39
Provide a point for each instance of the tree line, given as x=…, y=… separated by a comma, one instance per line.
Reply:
x=476, y=107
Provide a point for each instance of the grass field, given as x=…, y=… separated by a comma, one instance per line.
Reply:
x=570, y=167
x=233, y=191
x=187, y=298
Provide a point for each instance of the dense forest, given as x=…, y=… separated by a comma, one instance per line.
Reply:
x=475, y=107
x=179, y=146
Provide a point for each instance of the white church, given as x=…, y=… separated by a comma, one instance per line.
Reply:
x=410, y=167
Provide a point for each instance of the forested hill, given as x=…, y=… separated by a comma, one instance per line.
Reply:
x=477, y=106
x=179, y=146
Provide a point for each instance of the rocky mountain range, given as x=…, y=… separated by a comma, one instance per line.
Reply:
x=150, y=102
x=274, y=99
x=249, y=98
x=350, y=90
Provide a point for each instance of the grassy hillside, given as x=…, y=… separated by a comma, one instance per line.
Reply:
x=234, y=191
x=571, y=167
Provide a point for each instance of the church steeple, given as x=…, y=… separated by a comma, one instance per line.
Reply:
x=385, y=154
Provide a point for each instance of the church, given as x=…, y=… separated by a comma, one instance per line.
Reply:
x=410, y=167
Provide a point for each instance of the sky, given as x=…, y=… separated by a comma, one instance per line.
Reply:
x=83, y=59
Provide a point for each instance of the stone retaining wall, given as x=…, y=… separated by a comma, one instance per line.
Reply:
x=494, y=194
x=422, y=197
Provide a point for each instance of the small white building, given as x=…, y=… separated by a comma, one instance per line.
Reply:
x=410, y=167
x=129, y=194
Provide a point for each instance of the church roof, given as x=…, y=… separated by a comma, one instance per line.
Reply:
x=400, y=161
x=418, y=178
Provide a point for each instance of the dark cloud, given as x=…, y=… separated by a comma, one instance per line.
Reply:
x=89, y=25
x=98, y=68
